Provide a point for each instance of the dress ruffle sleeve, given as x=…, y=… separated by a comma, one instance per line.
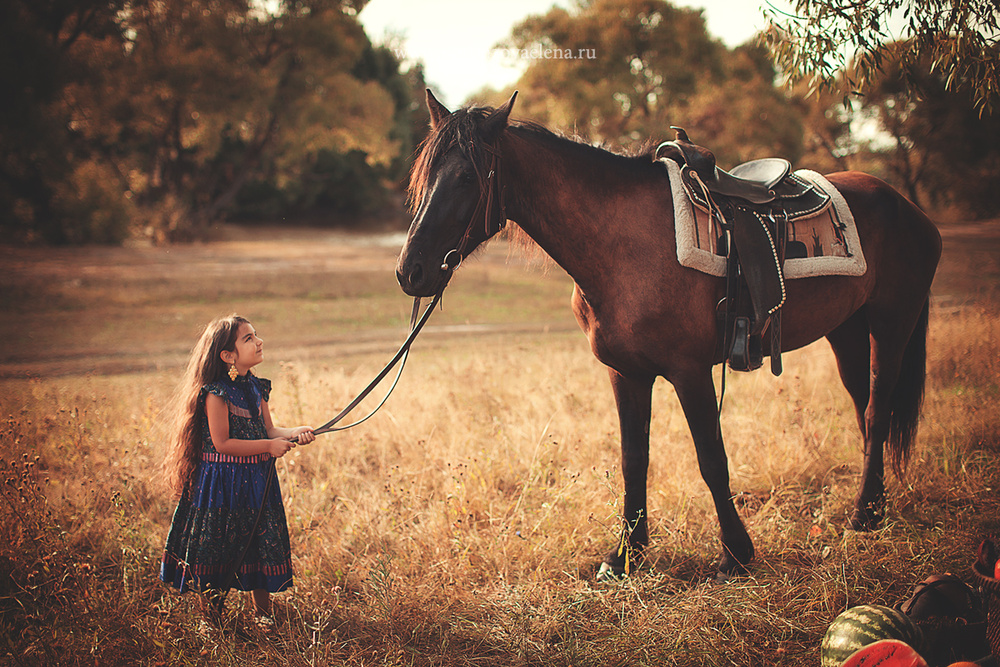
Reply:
x=216, y=388
x=265, y=388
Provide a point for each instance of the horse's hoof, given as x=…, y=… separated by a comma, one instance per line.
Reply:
x=608, y=575
x=729, y=566
x=866, y=521
x=727, y=571
x=859, y=525
x=721, y=578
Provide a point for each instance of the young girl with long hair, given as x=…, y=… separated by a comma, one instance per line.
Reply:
x=218, y=464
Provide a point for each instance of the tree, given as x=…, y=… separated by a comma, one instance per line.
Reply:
x=621, y=72
x=52, y=187
x=958, y=38
x=827, y=142
x=229, y=94
x=612, y=68
x=346, y=187
x=743, y=115
x=163, y=113
x=940, y=146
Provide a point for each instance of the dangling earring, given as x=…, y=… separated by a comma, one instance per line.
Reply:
x=233, y=373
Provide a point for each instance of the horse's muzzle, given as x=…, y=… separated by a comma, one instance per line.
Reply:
x=416, y=279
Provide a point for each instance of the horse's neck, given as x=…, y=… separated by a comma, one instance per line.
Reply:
x=563, y=196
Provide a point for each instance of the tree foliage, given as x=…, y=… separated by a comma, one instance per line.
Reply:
x=175, y=113
x=166, y=115
x=957, y=39
x=655, y=65
x=622, y=72
x=942, y=149
x=926, y=77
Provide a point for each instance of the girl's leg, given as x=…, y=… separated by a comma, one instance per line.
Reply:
x=261, y=601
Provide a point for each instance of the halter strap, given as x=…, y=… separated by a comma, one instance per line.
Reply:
x=490, y=191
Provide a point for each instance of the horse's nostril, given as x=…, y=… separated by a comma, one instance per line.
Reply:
x=408, y=279
x=416, y=274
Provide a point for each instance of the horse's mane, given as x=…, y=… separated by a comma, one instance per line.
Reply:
x=457, y=129
x=643, y=152
x=461, y=129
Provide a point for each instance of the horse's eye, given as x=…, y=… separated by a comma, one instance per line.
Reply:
x=468, y=176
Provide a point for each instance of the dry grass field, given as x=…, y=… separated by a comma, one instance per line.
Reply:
x=462, y=525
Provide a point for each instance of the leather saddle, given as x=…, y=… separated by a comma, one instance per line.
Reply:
x=753, y=202
x=752, y=181
x=761, y=184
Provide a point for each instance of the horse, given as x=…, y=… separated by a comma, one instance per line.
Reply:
x=608, y=220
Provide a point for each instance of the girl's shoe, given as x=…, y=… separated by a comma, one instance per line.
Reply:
x=264, y=623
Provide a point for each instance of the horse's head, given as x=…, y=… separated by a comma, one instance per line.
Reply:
x=454, y=193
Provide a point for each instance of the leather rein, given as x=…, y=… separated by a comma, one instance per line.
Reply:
x=490, y=192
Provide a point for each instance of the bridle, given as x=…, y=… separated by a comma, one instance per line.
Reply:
x=490, y=193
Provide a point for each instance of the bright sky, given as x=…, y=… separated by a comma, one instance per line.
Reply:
x=457, y=52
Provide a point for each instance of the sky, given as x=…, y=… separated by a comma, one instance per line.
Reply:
x=458, y=54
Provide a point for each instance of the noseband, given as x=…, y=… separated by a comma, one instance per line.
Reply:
x=490, y=195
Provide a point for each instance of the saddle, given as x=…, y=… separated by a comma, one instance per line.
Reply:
x=753, y=203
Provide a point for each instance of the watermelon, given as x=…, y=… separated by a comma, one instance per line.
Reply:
x=862, y=625
x=886, y=652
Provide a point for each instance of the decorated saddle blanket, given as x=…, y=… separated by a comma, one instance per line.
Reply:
x=825, y=243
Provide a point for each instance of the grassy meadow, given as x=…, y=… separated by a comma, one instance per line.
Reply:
x=463, y=524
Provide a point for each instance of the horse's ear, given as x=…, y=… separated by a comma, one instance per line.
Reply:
x=438, y=111
x=497, y=120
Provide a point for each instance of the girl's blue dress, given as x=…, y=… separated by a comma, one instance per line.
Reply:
x=215, y=515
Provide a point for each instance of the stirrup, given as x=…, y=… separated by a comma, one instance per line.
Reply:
x=746, y=353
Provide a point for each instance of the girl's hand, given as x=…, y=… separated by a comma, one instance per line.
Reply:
x=304, y=434
x=279, y=447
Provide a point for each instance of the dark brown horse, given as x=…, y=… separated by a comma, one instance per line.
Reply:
x=608, y=221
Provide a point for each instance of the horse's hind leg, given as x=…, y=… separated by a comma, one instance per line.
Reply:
x=852, y=346
x=902, y=258
x=895, y=345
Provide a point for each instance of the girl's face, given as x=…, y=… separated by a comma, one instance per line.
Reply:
x=249, y=349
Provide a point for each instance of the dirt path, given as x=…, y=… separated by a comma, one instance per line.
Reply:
x=74, y=311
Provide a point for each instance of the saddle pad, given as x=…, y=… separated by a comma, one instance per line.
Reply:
x=828, y=240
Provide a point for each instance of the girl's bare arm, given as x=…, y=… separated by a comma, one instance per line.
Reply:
x=218, y=425
x=303, y=433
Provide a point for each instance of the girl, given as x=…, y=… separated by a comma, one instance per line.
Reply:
x=220, y=458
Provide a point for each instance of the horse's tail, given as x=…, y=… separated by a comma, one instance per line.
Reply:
x=908, y=395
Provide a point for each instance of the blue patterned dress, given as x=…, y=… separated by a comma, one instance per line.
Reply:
x=215, y=515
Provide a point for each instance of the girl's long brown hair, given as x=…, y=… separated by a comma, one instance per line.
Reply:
x=205, y=367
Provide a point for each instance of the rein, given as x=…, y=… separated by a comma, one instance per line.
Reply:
x=490, y=193
x=401, y=355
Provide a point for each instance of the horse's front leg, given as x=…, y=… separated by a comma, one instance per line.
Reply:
x=696, y=392
x=633, y=398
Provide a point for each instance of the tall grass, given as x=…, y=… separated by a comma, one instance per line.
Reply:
x=463, y=524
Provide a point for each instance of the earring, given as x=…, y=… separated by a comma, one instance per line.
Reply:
x=233, y=373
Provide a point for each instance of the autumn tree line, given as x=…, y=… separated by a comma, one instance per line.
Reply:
x=159, y=118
